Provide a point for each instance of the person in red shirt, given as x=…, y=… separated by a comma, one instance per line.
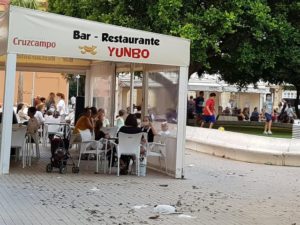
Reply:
x=209, y=111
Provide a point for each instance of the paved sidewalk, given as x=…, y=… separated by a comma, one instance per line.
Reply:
x=215, y=191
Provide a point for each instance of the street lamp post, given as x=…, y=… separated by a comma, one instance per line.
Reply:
x=77, y=78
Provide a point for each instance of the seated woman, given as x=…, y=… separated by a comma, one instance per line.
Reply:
x=101, y=116
x=131, y=127
x=246, y=113
x=226, y=111
x=84, y=122
x=148, y=128
x=240, y=115
x=120, y=119
x=97, y=130
x=94, y=115
x=22, y=115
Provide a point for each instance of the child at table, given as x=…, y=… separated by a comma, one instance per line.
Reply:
x=33, y=124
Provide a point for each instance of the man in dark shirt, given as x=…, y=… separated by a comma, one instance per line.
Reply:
x=199, y=102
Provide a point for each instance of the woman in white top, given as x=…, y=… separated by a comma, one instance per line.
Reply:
x=61, y=105
x=101, y=116
x=120, y=119
x=290, y=113
x=39, y=114
x=21, y=114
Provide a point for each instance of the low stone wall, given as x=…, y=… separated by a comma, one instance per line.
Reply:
x=288, y=126
x=244, y=147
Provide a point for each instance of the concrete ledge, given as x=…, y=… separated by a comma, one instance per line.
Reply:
x=244, y=147
x=287, y=126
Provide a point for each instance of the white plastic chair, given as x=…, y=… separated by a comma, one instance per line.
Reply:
x=52, y=128
x=29, y=147
x=86, y=143
x=112, y=132
x=158, y=149
x=129, y=144
x=18, y=139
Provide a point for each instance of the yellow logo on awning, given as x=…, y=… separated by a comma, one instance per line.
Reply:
x=87, y=49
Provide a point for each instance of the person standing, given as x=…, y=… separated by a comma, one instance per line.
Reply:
x=190, y=108
x=209, y=111
x=50, y=102
x=73, y=101
x=268, y=110
x=61, y=105
x=199, y=102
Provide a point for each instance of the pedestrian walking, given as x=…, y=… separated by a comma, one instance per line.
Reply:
x=268, y=110
x=73, y=101
x=209, y=111
x=199, y=102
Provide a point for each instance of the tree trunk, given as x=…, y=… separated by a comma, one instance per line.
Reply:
x=20, y=88
x=297, y=101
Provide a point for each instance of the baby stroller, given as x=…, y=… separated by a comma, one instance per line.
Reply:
x=60, y=155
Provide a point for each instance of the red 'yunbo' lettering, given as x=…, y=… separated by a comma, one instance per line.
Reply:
x=34, y=43
x=135, y=53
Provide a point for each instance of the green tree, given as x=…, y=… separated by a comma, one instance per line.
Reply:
x=32, y=4
x=243, y=40
x=287, y=66
x=72, y=80
x=266, y=45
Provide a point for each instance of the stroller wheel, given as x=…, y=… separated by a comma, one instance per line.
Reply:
x=75, y=169
x=63, y=169
x=49, y=168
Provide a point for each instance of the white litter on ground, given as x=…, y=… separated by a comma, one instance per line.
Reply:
x=191, y=165
x=164, y=209
x=185, y=216
x=95, y=189
x=139, y=206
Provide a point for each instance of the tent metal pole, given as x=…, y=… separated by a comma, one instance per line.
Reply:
x=114, y=96
x=181, y=121
x=8, y=103
x=131, y=87
x=145, y=87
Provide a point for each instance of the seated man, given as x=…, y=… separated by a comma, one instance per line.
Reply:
x=254, y=115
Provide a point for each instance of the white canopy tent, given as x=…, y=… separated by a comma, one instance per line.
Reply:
x=107, y=47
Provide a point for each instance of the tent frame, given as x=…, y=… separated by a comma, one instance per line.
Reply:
x=10, y=76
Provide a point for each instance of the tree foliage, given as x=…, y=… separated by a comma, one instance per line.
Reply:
x=243, y=40
x=32, y=4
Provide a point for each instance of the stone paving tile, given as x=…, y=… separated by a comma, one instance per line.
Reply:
x=215, y=191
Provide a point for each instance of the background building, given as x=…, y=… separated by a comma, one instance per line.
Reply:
x=33, y=83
